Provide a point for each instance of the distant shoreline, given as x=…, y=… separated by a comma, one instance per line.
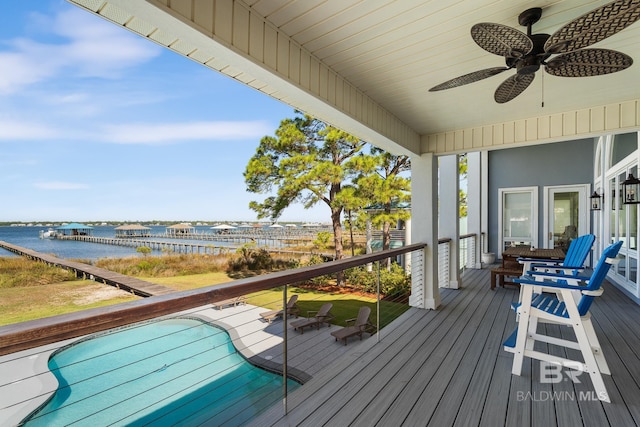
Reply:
x=100, y=223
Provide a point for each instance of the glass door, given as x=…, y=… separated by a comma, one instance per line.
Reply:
x=623, y=227
x=566, y=214
x=518, y=220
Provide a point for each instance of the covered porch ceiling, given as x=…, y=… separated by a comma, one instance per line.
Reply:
x=367, y=65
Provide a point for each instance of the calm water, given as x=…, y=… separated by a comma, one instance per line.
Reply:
x=171, y=372
x=29, y=237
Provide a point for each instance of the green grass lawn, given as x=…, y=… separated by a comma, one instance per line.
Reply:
x=345, y=306
x=192, y=281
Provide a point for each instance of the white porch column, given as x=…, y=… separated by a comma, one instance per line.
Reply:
x=407, y=242
x=449, y=226
x=484, y=197
x=424, y=228
x=474, y=204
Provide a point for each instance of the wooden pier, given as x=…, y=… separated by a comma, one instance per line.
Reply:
x=178, y=247
x=86, y=271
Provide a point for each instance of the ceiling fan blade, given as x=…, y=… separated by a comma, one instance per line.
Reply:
x=468, y=78
x=512, y=87
x=501, y=40
x=588, y=62
x=594, y=26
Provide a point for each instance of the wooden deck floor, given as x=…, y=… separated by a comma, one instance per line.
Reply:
x=447, y=368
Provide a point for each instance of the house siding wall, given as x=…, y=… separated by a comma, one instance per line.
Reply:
x=564, y=163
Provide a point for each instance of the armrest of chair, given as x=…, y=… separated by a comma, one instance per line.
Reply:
x=326, y=318
x=522, y=260
x=556, y=281
x=556, y=265
x=347, y=321
x=310, y=312
x=556, y=276
x=556, y=268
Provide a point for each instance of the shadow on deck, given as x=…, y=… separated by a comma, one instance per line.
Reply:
x=447, y=368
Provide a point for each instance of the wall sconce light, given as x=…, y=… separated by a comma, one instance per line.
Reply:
x=596, y=201
x=631, y=190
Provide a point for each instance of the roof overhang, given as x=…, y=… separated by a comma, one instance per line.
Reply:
x=366, y=67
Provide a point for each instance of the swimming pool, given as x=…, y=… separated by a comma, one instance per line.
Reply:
x=177, y=371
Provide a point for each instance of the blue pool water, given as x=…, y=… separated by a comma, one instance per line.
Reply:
x=169, y=372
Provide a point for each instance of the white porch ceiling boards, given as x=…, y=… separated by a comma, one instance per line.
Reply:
x=367, y=65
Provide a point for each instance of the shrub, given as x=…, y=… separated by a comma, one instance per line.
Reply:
x=251, y=258
x=322, y=240
x=144, y=250
x=320, y=280
x=394, y=282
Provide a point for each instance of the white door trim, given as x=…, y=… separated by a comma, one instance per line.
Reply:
x=583, y=208
x=534, y=213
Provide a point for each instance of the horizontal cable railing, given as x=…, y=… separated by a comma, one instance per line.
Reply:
x=218, y=353
x=444, y=248
x=468, y=251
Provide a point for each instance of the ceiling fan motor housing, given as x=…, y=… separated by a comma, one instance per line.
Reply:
x=531, y=62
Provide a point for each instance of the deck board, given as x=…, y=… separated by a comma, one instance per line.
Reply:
x=447, y=367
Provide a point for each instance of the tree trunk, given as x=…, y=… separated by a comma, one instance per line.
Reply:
x=353, y=251
x=337, y=239
x=386, y=236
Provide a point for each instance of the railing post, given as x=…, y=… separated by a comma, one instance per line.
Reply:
x=285, y=314
x=378, y=305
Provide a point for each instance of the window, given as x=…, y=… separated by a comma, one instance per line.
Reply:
x=518, y=216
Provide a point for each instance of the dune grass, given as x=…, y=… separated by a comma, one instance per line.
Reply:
x=16, y=272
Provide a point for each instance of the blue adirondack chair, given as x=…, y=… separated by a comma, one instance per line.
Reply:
x=573, y=262
x=556, y=304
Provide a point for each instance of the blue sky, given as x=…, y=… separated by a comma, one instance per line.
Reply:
x=98, y=124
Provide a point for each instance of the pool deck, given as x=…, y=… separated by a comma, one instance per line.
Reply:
x=26, y=383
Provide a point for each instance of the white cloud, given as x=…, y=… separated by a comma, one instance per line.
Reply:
x=60, y=185
x=152, y=133
x=12, y=130
x=90, y=48
x=99, y=48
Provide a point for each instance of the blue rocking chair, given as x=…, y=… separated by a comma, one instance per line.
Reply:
x=564, y=299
